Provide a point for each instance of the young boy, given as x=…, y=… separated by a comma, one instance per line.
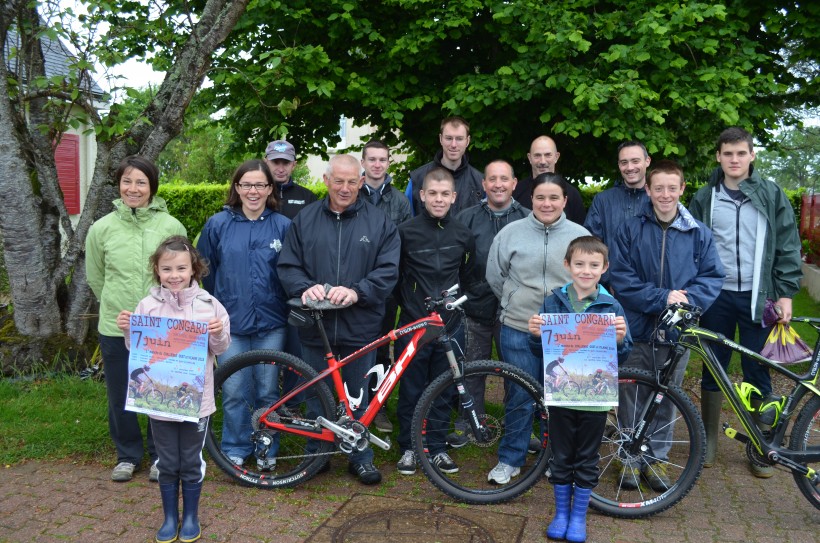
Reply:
x=576, y=432
x=660, y=257
x=756, y=237
x=436, y=252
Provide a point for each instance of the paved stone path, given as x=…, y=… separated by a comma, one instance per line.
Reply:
x=65, y=501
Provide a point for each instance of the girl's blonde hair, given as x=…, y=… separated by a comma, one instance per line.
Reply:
x=179, y=244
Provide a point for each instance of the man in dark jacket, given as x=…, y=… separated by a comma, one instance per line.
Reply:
x=614, y=206
x=379, y=191
x=757, y=240
x=454, y=138
x=484, y=221
x=543, y=157
x=661, y=257
x=436, y=252
x=281, y=159
x=351, y=245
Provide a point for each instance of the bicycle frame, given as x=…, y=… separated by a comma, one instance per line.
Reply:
x=700, y=340
x=423, y=331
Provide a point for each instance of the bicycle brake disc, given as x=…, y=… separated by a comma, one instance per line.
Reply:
x=493, y=429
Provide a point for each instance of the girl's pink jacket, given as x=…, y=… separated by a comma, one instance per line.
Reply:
x=194, y=304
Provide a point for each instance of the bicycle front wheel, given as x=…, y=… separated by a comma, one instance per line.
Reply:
x=806, y=436
x=437, y=427
x=631, y=484
x=298, y=458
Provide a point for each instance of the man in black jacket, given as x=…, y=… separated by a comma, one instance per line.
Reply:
x=280, y=156
x=379, y=191
x=482, y=327
x=351, y=245
x=436, y=252
x=543, y=157
x=454, y=139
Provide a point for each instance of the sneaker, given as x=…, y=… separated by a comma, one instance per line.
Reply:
x=366, y=472
x=153, y=473
x=383, y=423
x=457, y=439
x=534, y=445
x=237, y=461
x=502, y=473
x=266, y=464
x=629, y=479
x=407, y=463
x=444, y=463
x=656, y=478
x=123, y=472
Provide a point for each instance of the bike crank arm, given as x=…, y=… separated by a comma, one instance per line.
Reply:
x=351, y=438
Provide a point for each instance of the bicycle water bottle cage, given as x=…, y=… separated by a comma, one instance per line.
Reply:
x=744, y=391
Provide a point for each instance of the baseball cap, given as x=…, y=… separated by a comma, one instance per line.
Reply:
x=280, y=149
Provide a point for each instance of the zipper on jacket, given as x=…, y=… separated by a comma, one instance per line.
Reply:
x=338, y=270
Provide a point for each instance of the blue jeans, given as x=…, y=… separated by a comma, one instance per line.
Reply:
x=729, y=311
x=248, y=390
x=355, y=378
x=515, y=348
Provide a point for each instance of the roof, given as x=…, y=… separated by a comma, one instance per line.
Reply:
x=57, y=60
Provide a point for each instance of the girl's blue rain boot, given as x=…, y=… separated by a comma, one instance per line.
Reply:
x=190, y=530
x=577, y=529
x=170, y=507
x=558, y=527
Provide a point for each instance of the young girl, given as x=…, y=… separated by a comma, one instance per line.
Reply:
x=178, y=267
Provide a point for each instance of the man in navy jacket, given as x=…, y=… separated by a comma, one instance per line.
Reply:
x=347, y=243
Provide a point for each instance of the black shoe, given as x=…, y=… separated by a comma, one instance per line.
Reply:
x=534, y=445
x=366, y=472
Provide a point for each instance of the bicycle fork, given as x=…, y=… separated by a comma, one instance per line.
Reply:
x=465, y=399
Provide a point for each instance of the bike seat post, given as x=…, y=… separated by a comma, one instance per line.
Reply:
x=317, y=315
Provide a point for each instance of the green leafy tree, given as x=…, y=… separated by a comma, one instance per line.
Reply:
x=793, y=158
x=43, y=249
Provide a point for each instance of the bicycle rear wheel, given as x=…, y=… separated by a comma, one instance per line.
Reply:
x=435, y=418
x=682, y=464
x=806, y=436
x=298, y=458
x=154, y=398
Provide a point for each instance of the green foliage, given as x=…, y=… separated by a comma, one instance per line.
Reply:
x=592, y=74
x=53, y=418
x=793, y=158
x=193, y=204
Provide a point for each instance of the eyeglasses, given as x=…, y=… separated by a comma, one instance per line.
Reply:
x=246, y=187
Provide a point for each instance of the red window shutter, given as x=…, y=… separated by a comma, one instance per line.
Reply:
x=67, y=159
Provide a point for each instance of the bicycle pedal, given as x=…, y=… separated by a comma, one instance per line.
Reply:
x=734, y=434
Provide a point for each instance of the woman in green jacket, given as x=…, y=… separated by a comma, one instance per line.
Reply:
x=117, y=250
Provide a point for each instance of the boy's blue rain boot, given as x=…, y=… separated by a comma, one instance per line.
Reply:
x=577, y=529
x=558, y=527
x=190, y=530
x=170, y=507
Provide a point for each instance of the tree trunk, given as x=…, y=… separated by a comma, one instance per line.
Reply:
x=44, y=254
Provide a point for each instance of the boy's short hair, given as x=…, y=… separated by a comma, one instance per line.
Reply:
x=735, y=134
x=589, y=245
x=438, y=174
x=374, y=144
x=665, y=166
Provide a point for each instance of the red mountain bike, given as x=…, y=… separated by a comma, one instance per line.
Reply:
x=307, y=424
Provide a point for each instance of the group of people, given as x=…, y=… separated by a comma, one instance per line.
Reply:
x=517, y=249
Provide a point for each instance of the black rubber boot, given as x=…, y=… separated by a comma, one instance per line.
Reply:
x=190, y=530
x=710, y=403
x=170, y=508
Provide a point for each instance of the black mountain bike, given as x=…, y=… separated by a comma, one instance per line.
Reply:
x=629, y=438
